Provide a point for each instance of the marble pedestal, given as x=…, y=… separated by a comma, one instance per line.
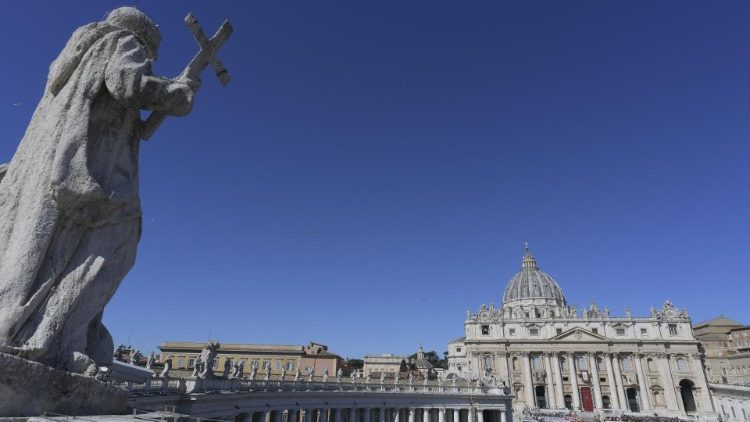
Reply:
x=30, y=388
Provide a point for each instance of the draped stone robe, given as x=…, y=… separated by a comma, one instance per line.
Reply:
x=70, y=214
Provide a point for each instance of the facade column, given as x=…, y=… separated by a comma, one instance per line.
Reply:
x=426, y=415
x=611, y=379
x=618, y=381
x=503, y=416
x=645, y=401
x=697, y=369
x=480, y=415
x=550, y=387
x=396, y=415
x=502, y=368
x=574, y=382
x=352, y=415
x=456, y=415
x=595, y=381
x=411, y=414
x=528, y=385
x=441, y=414
x=471, y=415
x=557, y=371
x=666, y=376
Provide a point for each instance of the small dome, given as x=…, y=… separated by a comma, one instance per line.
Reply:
x=532, y=283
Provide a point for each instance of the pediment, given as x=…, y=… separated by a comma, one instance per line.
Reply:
x=578, y=334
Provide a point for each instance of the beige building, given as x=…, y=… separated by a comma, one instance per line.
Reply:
x=393, y=364
x=554, y=355
x=726, y=344
x=289, y=357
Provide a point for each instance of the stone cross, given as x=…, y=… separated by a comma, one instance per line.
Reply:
x=206, y=55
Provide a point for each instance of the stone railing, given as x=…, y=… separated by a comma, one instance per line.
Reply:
x=198, y=385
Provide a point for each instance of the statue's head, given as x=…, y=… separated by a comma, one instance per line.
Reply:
x=138, y=23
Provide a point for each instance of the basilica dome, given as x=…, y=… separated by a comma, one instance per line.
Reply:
x=532, y=285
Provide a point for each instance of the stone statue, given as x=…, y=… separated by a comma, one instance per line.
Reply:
x=297, y=375
x=227, y=368
x=267, y=377
x=325, y=374
x=282, y=377
x=652, y=312
x=411, y=378
x=253, y=371
x=167, y=368
x=70, y=214
x=339, y=374
x=135, y=356
x=150, y=361
x=310, y=374
x=382, y=377
x=119, y=352
x=628, y=312
x=369, y=375
x=353, y=376
x=197, y=367
x=208, y=356
x=239, y=369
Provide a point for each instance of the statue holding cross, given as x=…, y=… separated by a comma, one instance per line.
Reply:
x=70, y=214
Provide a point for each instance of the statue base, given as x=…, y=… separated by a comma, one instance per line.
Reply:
x=30, y=388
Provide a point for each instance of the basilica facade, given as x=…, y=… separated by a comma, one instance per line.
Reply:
x=553, y=355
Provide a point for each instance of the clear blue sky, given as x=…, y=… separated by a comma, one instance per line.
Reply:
x=374, y=168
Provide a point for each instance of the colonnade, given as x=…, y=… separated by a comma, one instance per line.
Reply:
x=378, y=414
x=554, y=373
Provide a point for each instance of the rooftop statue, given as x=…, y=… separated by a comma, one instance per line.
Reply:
x=70, y=213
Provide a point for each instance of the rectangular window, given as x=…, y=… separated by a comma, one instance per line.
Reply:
x=559, y=331
x=191, y=363
x=485, y=330
x=595, y=330
x=602, y=380
x=644, y=332
x=180, y=362
x=620, y=331
x=266, y=364
x=458, y=350
x=279, y=364
x=672, y=329
x=565, y=378
x=512, y=331
x=290, y=365
x=533, y=331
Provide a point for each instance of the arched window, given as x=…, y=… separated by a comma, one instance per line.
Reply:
x=626, y=364
x=568, y=401
x=488, y=362
x=581, y=363
x=682, y=365
x=536, y=362
x=686, y=391
x=515, y=364
x=606, y=402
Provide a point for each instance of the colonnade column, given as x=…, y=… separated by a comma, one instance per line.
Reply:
x=381, y=414
x=426, y=415
x=309, y=415
x=366, y=414
x=595, y=381
x=441, y=415
x=480, y=414
x=396, y=416
x=528, y=386
x=574, y=381
x=556, y=369
x=550, y=388
x=612, y=386
x=666, y=376
x=645, y=402
x=618, y=381
x=456, y=415
x=472, y=415
x=411, y=414
x=503, y=416
x=323, y=415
